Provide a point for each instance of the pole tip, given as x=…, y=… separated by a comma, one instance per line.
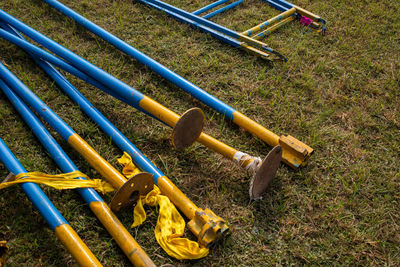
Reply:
x=188, y=128
x=267, y=171
x=139, y=185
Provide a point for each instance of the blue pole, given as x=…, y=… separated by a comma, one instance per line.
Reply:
x=179, y=81
x=166, y=186
x=52, y=216
x=120, y=234
x=295, y=152
x=33, y=191
x=223, y=9
x=210, y=6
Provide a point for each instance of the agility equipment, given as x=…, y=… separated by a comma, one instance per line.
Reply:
x=126, y=193
x=295, y=153
x=204, y=221
x=214, y=223
x=54, y=219
x=290, y=12
x=120, y=234
x=120, y=90
x=222, y=33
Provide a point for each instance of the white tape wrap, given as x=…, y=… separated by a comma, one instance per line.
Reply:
x=252, y=167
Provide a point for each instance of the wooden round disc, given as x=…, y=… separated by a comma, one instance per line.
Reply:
x=188, y=128
x=139, y=185
x=265, y=173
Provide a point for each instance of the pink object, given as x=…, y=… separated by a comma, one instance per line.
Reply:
x=305, y=21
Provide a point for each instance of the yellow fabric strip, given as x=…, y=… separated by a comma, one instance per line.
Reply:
x=129, y=169
x=170, y=224
x=170, y=227
x=60, y=181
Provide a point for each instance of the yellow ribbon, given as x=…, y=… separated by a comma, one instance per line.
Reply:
x=170, y=224
x=60, y=181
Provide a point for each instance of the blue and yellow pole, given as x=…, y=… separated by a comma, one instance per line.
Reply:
x=120, y=234
x=119, y=89
x=54, y=219
x=295, y=153
x=216, y=226
x=124, y=191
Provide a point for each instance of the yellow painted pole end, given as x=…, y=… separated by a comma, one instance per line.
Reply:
x=75, y=246
x=294, y=152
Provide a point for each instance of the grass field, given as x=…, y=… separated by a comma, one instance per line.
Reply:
x=339, y=93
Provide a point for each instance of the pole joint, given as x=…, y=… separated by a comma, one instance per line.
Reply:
x=208, y=227
x=294, y=152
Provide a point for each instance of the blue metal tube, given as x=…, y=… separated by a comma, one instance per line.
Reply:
x=195, y=18
x=116, y=136
x=41, y=108
x=33, y=191
x=171, y=76
x=277, y=5
x=38, y=52
x=282, y=3
x=210, y=6
x=223, y=9
x=111, y=82
x=52, y=147
x=214, y=26
x=229, y=40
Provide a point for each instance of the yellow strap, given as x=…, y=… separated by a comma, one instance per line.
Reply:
x=129, y=169
x=170, y=224
x=60, y=181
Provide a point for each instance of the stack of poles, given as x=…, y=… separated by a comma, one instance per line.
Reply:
x=64, y=232
x=101, y=79
x=120, y=234
x=295, y=153
x=217, y=226
x=224, y=34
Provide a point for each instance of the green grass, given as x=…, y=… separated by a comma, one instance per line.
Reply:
x=339, y=93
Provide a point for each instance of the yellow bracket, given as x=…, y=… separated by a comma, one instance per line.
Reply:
x=208, y=227
x=294, y=152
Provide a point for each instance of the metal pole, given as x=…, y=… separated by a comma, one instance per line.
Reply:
x=127, y=94
x=54, y=219
x=291, y=154
x=210, y=6
x=120, y=234
x=191, y=17
x=222, y=9
x=271, y=21
x=125, y=193
x=217, y=227
x=271, y=29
